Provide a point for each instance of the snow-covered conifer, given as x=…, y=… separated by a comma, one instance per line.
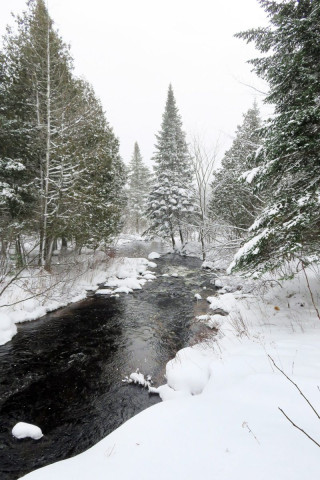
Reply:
x=171, y=197
x=290, y=223
x=234, y=202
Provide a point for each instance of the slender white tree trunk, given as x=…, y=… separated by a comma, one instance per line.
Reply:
x=46, y=258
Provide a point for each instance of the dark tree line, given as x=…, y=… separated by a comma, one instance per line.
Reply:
x=61, y=173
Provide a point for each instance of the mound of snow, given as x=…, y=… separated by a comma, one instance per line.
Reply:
x=7, y=328
x=149, y=276
x=216, y=321
x=153, y=255
x=27, y=430
x=188, y=371
x=132, y=283
x=198, y=296
x=104, y=291
x=112, y=282
x=129, y=267
x=123, y=290
x=152, y=265
x=203, y=318
x=225, y=304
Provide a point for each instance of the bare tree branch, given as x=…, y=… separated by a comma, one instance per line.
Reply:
x=299, y=428
x=301, y=393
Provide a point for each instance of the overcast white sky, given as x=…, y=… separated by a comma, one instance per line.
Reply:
x=130, y=50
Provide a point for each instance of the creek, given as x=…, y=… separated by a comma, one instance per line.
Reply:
x=64, y=371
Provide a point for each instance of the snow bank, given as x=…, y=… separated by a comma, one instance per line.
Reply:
x=27, y=430
x=226, y=304
x=212, y=321
x=60, y=289
x=7, y=328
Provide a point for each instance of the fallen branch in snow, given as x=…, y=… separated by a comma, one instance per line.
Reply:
x=301, y=393
x=299, y=428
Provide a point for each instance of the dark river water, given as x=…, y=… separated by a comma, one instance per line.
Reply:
x=64, y=371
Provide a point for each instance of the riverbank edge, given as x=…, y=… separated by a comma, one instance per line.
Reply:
x=36, y=293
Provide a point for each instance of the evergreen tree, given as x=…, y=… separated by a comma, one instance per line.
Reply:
x=290, y=224
x=97, y=199
x=234, y=202
x=17, y=193
x=66, y=149
x=139, y=178
x=38, y=82
x=170, y=200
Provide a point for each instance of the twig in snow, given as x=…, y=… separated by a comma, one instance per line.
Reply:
x=301, y=393
x=309, y=288
x=299, y=428
x=245, y=425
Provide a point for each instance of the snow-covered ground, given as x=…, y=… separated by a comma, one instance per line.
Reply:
x=220, y=417
x=35, y=292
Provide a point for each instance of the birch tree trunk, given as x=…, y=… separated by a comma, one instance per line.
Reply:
x=47, y=255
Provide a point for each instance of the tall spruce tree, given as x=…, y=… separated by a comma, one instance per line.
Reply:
x=234, y=202
x=170, y=200
x=139, y=181
x=289, y=226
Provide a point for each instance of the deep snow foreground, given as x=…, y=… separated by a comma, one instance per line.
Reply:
x=221, y=418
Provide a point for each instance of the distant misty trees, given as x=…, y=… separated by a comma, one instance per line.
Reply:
x=61, y=173
x=139, y=183
x=234, y=202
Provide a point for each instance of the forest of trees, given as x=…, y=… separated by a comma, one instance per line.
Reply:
x=288, y=164
x=62, y=176
x=61, y=173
